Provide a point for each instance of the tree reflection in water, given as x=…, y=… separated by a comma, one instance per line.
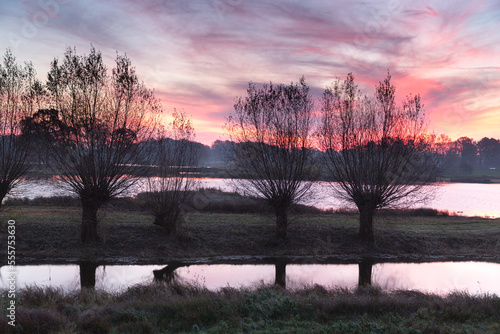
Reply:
x=365, y=273
x=168, y=274
x=280, y=274
x=87, y=274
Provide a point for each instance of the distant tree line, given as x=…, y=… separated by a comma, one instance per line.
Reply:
x=456, y=157
x=465, y=155
x=461, y=156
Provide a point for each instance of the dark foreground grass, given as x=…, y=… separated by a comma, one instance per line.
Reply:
x=161, y=308
x=49, y=234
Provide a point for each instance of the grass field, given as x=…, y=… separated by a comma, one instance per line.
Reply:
x=48, y=233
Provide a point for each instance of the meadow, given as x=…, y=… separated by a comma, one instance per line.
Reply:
x=48, y=230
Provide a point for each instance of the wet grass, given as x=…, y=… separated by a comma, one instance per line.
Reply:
x=48, y=233
x=162, y=308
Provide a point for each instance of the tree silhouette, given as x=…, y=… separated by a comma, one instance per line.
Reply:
x=365, y=273
x=87, y=274
x=173, y=154
x=93, y=127
x=19, y=93
x=280, y=274
x=167, y=274
x=376, y=150
x=489, y=151
x=468, y=154
x=271, y=128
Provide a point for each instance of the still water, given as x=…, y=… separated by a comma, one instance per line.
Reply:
x=468, y=199
x=434, y=277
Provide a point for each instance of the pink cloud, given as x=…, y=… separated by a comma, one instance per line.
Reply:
x=199, y=55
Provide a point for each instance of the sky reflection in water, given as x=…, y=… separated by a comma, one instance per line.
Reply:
x=437, y=277
x=468, y=199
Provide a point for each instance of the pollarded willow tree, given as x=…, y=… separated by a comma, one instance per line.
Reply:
x=377, y=151
x=93, y=129
x=174, y=152
x=19, y=93
x=271, y=128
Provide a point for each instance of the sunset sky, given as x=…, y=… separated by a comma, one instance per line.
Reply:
x=199, y=55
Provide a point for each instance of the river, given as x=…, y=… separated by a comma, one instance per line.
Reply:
x=434, y=277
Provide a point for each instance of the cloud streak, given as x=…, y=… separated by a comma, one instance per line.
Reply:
x=200, y=54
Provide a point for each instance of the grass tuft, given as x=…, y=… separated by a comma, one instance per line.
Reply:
x=175, y=308
x=38, y=320
x=268, y=309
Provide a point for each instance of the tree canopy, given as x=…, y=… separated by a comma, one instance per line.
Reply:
x=272, y=127
x=376, y=150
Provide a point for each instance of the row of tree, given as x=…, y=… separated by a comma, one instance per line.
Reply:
x=101, y=131
x=91, y=125
x=376, y=151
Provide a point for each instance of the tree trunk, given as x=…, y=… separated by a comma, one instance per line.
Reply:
x=3, y=192
x=89, y=221
x=281, y=222
x=366, y=214
x=167, y=222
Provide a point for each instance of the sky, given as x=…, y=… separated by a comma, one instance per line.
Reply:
x=199, y=55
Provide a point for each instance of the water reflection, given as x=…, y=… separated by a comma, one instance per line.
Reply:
x=365, y=273
x=167, y=274
x=87, y=274
x=438, y=277
x=280, y=274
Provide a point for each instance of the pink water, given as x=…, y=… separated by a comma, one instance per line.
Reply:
x=437, y=277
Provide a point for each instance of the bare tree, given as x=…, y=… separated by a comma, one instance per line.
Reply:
x=94, y=128
x=271, y=128
x=169, y=190
x=18, y=96
x=377, y=151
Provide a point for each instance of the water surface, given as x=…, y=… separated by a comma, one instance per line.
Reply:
x=468, y=199
x=434, y=277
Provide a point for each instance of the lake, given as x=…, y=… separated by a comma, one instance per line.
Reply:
x=434, y=277
x=468, y=199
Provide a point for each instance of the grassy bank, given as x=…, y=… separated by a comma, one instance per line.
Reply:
x=49, y=232
x=177, y=309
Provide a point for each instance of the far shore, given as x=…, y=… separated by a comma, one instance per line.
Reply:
x=485, y=175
